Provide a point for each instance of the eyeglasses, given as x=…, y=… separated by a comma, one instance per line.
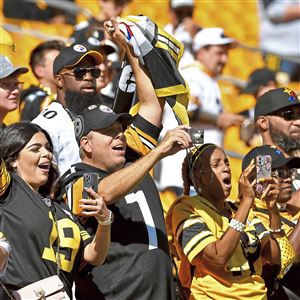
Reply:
x=10, y=86
x=289, y=115
x=283, y=174
x=80, y=72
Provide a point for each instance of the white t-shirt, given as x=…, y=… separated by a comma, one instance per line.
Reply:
x=207, y=91
x=170, y=166
x=57, y=122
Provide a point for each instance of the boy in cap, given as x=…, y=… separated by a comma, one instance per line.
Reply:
x=139, y=245
x=74, y=69
x=211, y=48
x=10, y=86
x=284, y=170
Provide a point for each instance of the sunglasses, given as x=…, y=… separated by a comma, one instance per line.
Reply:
x=80, y=72
x=289, y=115
x=283, y=174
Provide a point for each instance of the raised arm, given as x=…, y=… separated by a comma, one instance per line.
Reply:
x=120, y=183
x=150, y=107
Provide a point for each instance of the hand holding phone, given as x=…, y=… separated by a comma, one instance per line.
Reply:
x=90, y=180
x=263, y=170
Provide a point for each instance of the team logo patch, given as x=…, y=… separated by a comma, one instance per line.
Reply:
x=91, y=107
x=78, y=126
x=105, y=109
x=93, y=41
x=292, y=95
x=79, y=48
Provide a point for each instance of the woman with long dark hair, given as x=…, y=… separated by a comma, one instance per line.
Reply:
x=45, y=237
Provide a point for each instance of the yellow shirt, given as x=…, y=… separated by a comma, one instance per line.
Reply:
x=195, y=223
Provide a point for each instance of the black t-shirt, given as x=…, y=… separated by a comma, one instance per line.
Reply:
x=138, y=265
x=28, y=224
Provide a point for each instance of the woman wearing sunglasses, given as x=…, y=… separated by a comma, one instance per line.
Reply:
x=284, y=171
x=45, y=238
x=219, y=244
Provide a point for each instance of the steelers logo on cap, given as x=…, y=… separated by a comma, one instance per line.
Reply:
x=79, y=48
x=78, y=126
x=105, y=109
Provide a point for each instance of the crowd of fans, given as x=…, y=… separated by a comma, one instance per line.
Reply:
x=116, y=102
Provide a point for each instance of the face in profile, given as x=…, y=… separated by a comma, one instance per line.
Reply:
x=284, y=128
x=34, y=161
x=214, y=58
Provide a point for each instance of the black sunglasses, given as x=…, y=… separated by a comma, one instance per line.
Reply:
x=289, y=115
x=80, y=72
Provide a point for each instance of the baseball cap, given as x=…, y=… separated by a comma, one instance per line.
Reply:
x=7, y=68
x=104, y=45
x=274, y=100
x=258, y=78
x=180, y=3
x=72, y=55
x=211, y=36
x=98, y=117
x=278, y=158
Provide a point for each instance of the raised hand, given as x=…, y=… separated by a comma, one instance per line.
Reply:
x=95, y=207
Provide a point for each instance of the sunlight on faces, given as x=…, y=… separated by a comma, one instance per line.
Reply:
x=86, y=85
x=108, y=147
x=214, y=58
x=215, y=174
x=34, y=161
x=10, y=93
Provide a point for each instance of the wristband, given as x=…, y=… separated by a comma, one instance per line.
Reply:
x=237, y=225
x=109, y=220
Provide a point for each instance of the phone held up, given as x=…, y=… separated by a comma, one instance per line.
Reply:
x=263, y=170
x=90, y=180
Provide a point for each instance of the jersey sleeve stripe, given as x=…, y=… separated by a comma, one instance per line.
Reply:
x=199, y=246
x=192, y=234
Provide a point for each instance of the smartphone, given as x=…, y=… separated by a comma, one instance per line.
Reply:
x=89, y=180
x=197, y=135
x=263, y=170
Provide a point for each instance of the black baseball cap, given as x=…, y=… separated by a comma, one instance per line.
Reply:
x=98, y=117
x=278, y=158
x=257, y=78
x=72, y=55
x=274, y=100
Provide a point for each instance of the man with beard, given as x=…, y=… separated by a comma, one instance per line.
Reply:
x=277, y=115
x=74, y=69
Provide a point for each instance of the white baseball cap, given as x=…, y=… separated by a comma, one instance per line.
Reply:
x=211, y=36
x=179, y=3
